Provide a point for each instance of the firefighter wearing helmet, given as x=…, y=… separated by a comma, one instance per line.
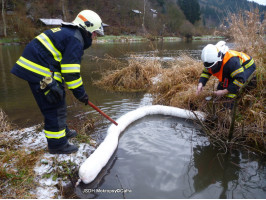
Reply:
x=232, y=69
x=52, y=60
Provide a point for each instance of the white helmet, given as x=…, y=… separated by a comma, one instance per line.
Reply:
x=210, y=55
x=90, y=21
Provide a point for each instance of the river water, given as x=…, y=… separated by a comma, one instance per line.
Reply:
x=157, y=157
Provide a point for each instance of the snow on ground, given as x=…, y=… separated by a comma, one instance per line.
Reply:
x=49, y=165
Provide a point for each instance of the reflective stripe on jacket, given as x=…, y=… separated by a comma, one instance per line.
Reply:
x=56, y=52
x=38, y=69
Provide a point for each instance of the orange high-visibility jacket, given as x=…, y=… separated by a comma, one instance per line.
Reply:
x=236, y=67
x=242, y=58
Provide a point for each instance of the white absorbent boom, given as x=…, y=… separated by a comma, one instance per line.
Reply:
x=98, y=159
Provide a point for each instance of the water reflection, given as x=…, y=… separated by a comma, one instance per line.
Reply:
x=219, y=169
x=163, y=157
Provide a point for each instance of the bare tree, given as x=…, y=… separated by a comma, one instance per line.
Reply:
x=64, y=10
x=4, y=17
x=143, y=20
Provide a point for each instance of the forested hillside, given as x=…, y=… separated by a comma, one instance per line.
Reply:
x=20, y=18
x=214, y=12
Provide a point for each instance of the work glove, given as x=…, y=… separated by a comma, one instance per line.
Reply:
x=52, y=91
x=84, y=99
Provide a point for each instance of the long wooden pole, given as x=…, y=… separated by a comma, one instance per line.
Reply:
x=102, y=113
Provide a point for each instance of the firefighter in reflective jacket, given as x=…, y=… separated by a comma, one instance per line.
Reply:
x=51, y=60
x=232, y=68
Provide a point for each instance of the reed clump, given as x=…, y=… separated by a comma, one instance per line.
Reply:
x=247, y=31
x=135, y=75
x=5, y=125
x=84, y=125
x=178, y=83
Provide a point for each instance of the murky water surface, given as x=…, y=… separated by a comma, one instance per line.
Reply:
x=157, y=157
x=166, y=157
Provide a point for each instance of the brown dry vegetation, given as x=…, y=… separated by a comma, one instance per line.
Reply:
x=178, y=84
x=248, y=34
x=4, y=124
x=17, y=173
x=17, y=176
x=136, y=76
x=16, y=169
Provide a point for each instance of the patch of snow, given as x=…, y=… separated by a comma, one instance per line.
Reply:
x=46, y=192
x=29, y=138
x=32, y=140
x=48, y=182
x=49, y=164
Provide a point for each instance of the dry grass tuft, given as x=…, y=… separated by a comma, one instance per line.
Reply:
x=17, y=171
x=17, y=165
x=136, y=75
x=5, y=125
x=248, y=33
x=178, y=83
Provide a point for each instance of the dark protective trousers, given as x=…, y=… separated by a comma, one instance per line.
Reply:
x=54, y=115
x=251, y=85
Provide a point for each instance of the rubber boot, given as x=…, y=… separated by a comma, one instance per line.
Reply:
x=71, y=133
x=65, y=149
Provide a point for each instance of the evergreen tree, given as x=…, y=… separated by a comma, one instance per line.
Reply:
x=191, y=9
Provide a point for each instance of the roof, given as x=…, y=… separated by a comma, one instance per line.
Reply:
x=53, y=22
x=136, y=11
x=154, y=11
x=58, y=22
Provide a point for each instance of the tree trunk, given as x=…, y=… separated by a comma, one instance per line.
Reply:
x=63, y=10
x=143, y=19
x=4, y=18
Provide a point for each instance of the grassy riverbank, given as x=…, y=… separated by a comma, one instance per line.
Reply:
x=9, y=41
x=121, y=38
x=27, y=171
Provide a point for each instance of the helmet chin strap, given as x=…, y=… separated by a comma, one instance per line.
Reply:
x=83, y=27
